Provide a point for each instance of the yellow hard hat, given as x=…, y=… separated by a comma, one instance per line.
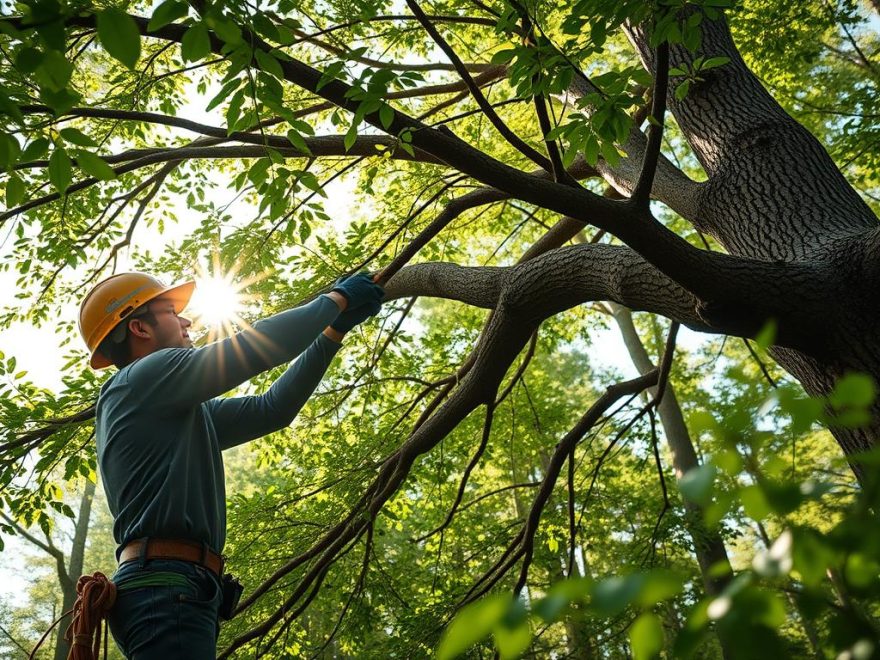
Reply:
x=112, y=300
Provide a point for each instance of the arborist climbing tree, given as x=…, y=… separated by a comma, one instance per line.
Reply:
x=705, y=164
x=161, y=425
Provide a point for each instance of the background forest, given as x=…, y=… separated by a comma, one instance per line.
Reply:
x=668, y=498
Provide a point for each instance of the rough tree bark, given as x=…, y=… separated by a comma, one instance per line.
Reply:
x=775, y=195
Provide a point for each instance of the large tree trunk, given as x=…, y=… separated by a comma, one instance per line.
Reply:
x=775, y=195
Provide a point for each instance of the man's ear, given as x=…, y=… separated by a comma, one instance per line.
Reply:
x=138, y=328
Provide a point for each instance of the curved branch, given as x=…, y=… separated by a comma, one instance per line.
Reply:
x=561, y=454
x=710, y=276
x=556, y=281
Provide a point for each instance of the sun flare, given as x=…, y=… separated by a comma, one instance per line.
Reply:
x=216, y=301
x=219, y=300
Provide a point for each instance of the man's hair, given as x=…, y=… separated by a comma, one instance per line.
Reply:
x=116, y=346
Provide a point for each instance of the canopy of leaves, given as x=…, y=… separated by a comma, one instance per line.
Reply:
x=160, y=137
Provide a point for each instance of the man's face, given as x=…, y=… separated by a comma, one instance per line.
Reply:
x=170, y=330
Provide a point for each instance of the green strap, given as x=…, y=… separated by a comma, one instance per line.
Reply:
x=157, y=579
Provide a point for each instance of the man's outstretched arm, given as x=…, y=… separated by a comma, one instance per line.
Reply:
x=179, y=378
x=240, y=419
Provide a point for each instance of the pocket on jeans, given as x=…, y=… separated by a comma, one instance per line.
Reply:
x=201, y=591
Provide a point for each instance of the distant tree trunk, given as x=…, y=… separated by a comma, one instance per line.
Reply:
x=708, y=545
x=67, y=577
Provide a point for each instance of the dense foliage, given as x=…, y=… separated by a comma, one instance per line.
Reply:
x=286, y=143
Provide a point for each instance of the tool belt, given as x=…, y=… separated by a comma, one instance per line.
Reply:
x=178, y=549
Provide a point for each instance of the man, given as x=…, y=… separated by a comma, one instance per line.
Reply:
x=160, y=429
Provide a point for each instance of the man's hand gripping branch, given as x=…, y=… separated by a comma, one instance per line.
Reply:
x=359, y=298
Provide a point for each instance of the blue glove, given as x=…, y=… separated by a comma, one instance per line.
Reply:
x=364, y=300
x=352, y=317
x=359, y=289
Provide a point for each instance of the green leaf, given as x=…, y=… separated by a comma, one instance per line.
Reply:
x=714, y=62
x=28, y=60
x=658, y=585
x=861, y=571
x=610, y=153
x=223, y=94
x=15, y=190
x=268, y=63
x=754, y=502
x=591, y=150
x=511, y=642
x=350, y=136
x=853, y=390
x=10, y=151
x=36, y=149
x=167, y=12
x=682, y=90
x=646, y=637
x=60, y=170
x=386, y=115
x=471, y=625
x=311, y=182
x=298, y=141
x=266, y=28
x=54, y=72
x=59, y=100
x=196, y=43
x=810, y=556
x=611, y=596
x=94, y=165
x=697, y=484
x=77, y=137
x=224, y=28
x=330, y=74
x=503, y=56
x=765, y=338
x=8, y=107
x=120, y=36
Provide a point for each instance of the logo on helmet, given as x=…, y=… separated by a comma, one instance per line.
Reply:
x=116, y=303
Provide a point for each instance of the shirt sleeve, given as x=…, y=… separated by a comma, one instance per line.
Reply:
x=175, y=379
x=241, y=419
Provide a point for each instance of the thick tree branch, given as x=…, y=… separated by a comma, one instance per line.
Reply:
x=710, y=276
x=555, y=281
x=330, y=145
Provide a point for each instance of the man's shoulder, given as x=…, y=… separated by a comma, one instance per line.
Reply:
x=158, y=360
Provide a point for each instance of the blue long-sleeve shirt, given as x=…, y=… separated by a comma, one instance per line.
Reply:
x=160, y=429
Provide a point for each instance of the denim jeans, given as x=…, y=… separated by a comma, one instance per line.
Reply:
x=165, y=610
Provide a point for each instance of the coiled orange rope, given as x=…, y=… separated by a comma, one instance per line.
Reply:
x=95, y=598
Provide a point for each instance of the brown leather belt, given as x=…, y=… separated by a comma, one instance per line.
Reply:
x=180, y=550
